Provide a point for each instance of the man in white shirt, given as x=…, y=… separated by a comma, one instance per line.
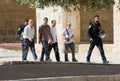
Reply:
x=54, y=44
x=68, y=36
x=28, y=40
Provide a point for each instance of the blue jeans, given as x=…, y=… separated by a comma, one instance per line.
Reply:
x=25, y=47
x=45, y=50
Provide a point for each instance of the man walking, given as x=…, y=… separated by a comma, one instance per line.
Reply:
x=54, y=44
x=21, y=31
x=68, y=36
x=29, y=40
x=93, y=34
x=43, y=35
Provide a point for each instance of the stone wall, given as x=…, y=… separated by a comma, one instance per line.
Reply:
x=116, y=31
x=74, y=18
x=51, y=14
x=11, y=16
x=62, y=18
x=106, y=19
x=79, y=20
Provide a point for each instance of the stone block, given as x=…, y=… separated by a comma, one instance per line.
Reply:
x=8, y=24
x=11, y=32
x=3, y=32
x=8, y=39
x=12, y=15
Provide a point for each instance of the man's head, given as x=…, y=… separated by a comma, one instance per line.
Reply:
x=96, y=18
x=68, y=25
x=53, y=22
x=30, y=22
x=26, y=22
x=45, y=20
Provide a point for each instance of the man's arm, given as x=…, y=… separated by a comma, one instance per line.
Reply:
x=90, y=33
x=50, y=37
x=39, y=35
x=20, y=29
x=39, y=38
x=63, y=35
x=72, y=37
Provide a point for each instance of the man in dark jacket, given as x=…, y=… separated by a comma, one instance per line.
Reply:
x=21, y=29
x=20, y=32
x=93, y=34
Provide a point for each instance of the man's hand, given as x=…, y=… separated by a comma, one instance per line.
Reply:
x=51, y=42
x=91, y=40
x=38, y=41
x=67, y=39
x=30, y=40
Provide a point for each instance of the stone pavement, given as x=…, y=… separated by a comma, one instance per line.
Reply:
x=52, y=71
x=10, y=58
x=12, y=52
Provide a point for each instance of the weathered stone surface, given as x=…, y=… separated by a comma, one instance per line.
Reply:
x=80, y=21
x=11, y=16
x=3, y=32
x=106, y=19
x=11, y=32
x=116, y=28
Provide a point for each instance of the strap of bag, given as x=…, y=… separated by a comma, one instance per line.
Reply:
x=67, y=32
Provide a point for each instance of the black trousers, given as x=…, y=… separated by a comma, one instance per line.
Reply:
x=97, y=42
x=22, y=45
x=45, y=50
x=56, y=50
x=25, y=48
x=72, y=48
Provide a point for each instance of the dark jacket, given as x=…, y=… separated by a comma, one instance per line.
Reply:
x=21, y=29
x=94, y=29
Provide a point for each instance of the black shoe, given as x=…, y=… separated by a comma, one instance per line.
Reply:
x=88, y=60
x=66, y=60
x=74, y=60
x=48, y=60
x=24, y=61
x=58, y=60
x=41, y=60
x=105, y=62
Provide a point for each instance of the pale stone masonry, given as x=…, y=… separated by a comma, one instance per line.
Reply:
x=62, y=18
x=116, y=25
x=106, y=20
x=80, y=22
x=11, y=16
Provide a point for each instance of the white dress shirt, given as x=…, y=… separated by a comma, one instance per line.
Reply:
x=29, y=32
x=65, y=34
